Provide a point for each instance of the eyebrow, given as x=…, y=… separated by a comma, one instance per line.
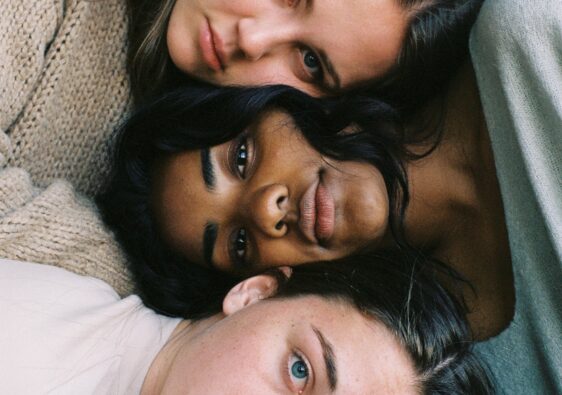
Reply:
x=336, y=86
x=329, y=359
x=209, y=240
x=207, y=169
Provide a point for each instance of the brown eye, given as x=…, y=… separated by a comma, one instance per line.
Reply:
x=241, y=158
x=238, y=248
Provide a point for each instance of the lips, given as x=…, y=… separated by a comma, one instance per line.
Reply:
x=317, y=213
x=210, y=44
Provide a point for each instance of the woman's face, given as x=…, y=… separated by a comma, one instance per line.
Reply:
x=318, y=46
x=303, y=345
x=267, y=198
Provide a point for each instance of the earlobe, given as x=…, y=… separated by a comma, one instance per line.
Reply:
x=249, y=292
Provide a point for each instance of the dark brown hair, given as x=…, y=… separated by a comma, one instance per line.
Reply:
x=149, y=65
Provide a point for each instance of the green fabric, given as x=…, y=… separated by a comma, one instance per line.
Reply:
x=516, y=48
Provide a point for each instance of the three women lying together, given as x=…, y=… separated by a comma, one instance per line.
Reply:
x=215, y=185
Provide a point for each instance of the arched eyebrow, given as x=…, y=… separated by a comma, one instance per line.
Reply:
x=207, y=169
x=329, y=359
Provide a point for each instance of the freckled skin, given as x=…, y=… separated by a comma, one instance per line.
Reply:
x=252, y=350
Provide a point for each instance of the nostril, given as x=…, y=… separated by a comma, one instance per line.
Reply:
x=279, y=225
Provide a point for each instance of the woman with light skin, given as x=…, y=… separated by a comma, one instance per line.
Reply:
x=319, y=329
x=322, y=47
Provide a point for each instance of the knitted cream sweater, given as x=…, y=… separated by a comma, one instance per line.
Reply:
x=63, y=91
x=63, y=86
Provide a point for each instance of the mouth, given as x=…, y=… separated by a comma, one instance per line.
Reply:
x=317, y=213
x=211, y=46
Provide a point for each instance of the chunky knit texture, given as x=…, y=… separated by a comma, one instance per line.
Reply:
x=64, y=86
x=63, y=92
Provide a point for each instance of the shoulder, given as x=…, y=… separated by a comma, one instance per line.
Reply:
x=35, y=281
x=518, y=23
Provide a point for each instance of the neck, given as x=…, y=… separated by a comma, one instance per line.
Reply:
x=182, y=336
x=455, y=212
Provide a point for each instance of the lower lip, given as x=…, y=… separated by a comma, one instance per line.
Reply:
x=325, y=213
x=208, y=47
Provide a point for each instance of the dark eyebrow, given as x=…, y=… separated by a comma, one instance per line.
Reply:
x=336, y=86
x=329, y=359
x=209, y=239
x=207, y=169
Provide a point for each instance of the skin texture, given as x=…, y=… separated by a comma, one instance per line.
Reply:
x=255, y=342
x=268, y=201
x=268, y=41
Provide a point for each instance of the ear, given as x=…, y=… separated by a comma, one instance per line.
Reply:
x=251, y=291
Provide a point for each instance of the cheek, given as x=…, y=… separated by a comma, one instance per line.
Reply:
x=365, y=207
x=181, y=45
x=289, y=250
x=230, y=362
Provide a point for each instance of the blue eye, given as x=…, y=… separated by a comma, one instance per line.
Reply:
x=312, y=64
x=241, y=157
x=298, y=371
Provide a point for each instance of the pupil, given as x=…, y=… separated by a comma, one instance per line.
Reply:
x=242, y=156
x=299, y=370
x=241, y=240
x=310, y=60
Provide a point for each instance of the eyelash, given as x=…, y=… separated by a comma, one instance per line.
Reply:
x=296, y=355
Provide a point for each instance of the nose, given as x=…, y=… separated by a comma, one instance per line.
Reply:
x=258, y=37
x=268, y=209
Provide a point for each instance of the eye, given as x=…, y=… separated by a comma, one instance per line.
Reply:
x=238, y=247
x=298, y=371
x=241, y=157
x=312, y=64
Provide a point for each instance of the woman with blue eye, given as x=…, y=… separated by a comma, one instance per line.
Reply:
x=326, y=328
